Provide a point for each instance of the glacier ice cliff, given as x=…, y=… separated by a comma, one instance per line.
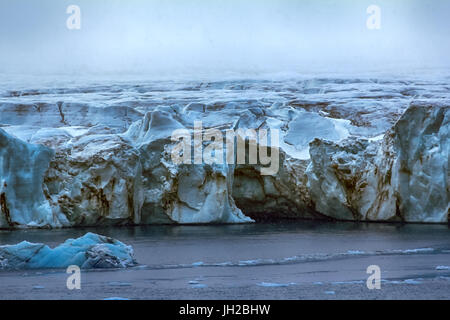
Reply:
x=95, y=179
x=22, y=169
x=199, y=193
x=89, y=251
x=403, y=177
x=350, y=150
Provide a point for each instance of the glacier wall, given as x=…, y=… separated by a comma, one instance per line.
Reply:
x=22, y=170
x=404, y=177
x=363, y=157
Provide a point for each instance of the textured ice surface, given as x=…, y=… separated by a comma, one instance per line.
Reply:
x=22, y=169
x=89, y=251
x=371, y=104
x=403, y=177
x=111, y=144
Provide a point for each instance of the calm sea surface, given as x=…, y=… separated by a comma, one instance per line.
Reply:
x=285, y=260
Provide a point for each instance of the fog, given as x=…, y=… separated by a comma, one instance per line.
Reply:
x=215, y=36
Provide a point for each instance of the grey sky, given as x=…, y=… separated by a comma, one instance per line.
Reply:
x=216, y=35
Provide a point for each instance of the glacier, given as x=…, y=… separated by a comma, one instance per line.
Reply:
x=22, y=169
x=350, y=149
x=404, y=177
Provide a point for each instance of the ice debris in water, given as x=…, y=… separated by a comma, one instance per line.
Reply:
x=271, y=284
x=89, y=251
x=443, y=268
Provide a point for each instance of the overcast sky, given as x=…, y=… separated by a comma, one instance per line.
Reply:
x=222, y=35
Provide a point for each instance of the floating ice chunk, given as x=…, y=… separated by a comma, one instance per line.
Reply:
x=391, y=281
x=224, y=264
x=38, y=287
x=348, y=282
x=271, y=284
x=116, y=298
x=419, y=250
x=249, y=262
x=355, y=252
x=443, y=268
x=412, y=281
x=90, y=251
x=119, y=284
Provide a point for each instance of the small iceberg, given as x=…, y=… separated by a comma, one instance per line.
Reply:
x=89, y=251
x=443, y=268
x=419, y=250
x=194, y=282
x=412, y=281
x=38, y=287
x=271, y=284
x=355, y=252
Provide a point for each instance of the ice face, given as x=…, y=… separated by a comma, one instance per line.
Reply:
x=94, y=152
x=307, y=126
x=22, y=172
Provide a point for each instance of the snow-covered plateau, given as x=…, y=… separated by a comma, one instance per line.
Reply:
x=85, y=153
